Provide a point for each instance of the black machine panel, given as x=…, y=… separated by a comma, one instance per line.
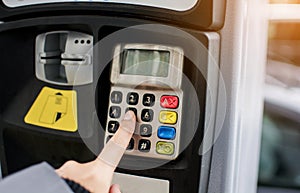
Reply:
x=20, y=87
x=197, y=14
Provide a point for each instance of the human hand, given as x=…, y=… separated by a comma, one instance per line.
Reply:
x=96, y=176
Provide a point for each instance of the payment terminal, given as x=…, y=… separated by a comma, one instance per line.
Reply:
x=146, y=79
x=162, y=76
x=71, y=70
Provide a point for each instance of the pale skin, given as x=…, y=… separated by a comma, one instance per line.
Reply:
x=96, y=176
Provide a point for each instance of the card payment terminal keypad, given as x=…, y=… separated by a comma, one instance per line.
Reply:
x=157, y=132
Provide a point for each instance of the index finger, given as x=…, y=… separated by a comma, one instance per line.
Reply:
x=116, y=146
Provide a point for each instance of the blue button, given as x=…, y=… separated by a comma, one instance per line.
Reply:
x=165, y=132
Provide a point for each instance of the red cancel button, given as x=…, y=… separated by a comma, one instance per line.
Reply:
x=170, y=102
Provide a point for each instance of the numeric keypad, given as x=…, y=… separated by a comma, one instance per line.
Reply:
x=158, y=113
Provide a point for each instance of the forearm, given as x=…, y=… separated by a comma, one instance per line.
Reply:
x=35, y=179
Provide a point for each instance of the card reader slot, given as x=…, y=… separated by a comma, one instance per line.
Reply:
x=50, y=57
x=60, y=56
x=53, y=48
x=74, y=59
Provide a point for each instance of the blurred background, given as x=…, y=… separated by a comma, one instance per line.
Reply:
x=280, y=149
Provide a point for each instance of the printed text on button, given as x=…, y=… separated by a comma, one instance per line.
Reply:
x=170, y=102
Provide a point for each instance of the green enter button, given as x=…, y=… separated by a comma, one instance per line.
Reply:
x=165, y=148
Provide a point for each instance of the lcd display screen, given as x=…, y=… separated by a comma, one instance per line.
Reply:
x=145, y=62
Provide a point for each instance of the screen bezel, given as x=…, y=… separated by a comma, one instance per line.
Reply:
x=126, y=67
x=173, y=78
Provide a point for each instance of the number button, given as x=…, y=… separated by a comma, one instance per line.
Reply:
x=116, y=97
x=144, y=145
x=147, y=115
x=148, y=100
x=146, y=130
x=113, y=126
x=115, y=112
x=132, y=109
x=132, y=98
x=131, y=144
x=170, y=102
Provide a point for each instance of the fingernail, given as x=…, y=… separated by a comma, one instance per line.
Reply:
x=118, y=189
x=128, y=116
x=117, y=186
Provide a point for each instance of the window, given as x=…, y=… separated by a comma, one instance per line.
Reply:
x=285, y=1
x=280, y=149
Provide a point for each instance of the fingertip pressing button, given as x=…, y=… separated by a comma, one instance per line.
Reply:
x=132, y=109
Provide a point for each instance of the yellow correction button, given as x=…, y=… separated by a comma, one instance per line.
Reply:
x=168, y=117
x=165, y=148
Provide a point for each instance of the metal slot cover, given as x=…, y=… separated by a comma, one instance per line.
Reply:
x=138, y=184
x=64, y=57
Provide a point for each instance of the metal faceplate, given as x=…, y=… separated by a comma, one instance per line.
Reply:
x=195, y=14
x=64, y=58
x=155, y=123
x=158, y=87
